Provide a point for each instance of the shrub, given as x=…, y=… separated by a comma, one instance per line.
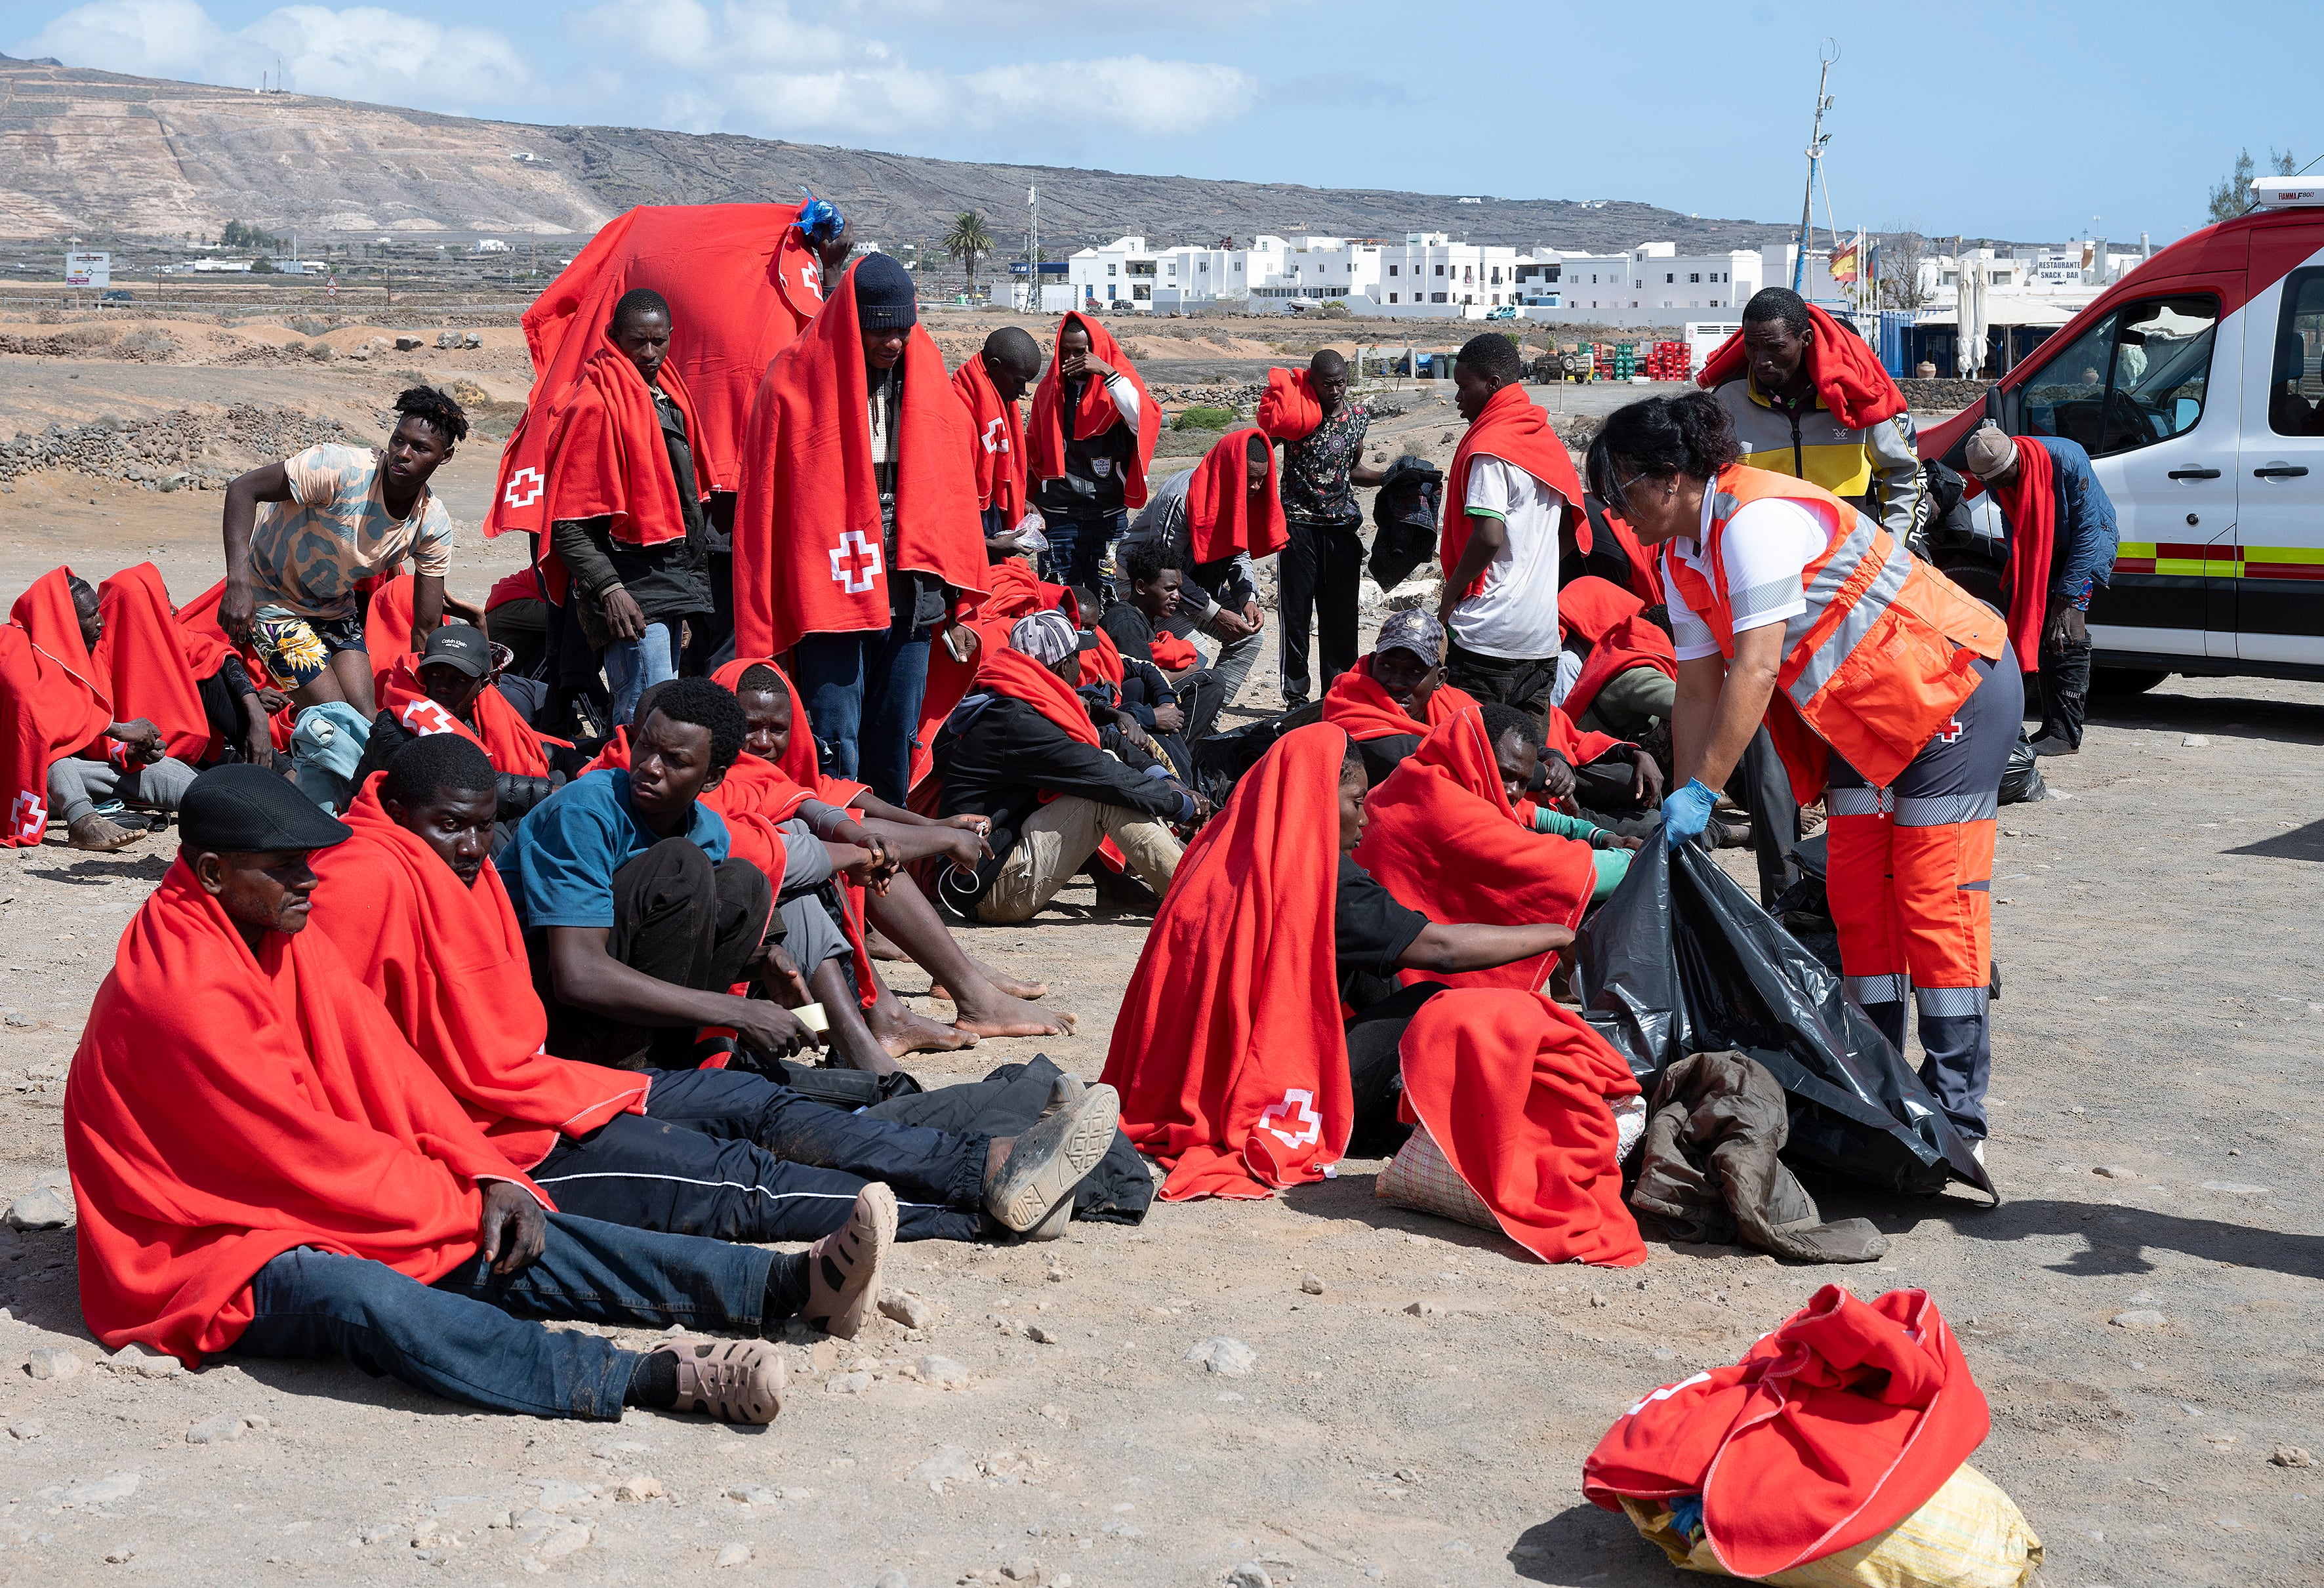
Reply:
x=1334, y=309
x=1204, y=419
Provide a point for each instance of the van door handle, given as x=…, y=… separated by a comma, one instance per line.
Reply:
x=2194, y=473
x=2280, y=471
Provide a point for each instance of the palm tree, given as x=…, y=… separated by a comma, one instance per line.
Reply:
x=968, y=242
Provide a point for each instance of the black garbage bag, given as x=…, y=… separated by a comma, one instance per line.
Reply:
x=2021, y=780
x=1411, y=496
x=1680, y=960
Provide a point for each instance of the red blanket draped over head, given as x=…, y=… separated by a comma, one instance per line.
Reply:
x=2030, y=501
x=197, y=619
x=741, y=285
x=53, y=701
x=606, y=454
x=448, y=962
x=1846, y=372
x=1289, y=410
x=1015, y=593
x=1229, y=1052
x=1844, y=1421
x=1515, y=430
x=224, y=1107
x=808, y=556
x=1095, y=415
x=150, y=664
x=388, y=622
x=1357, y=703
x=1512, y=1087
x=1444, y=839
x=1219, y=519
x=999, y=453
x=1612, y=620
x=1579, y=748
x=1010, y=672
x=512, y=742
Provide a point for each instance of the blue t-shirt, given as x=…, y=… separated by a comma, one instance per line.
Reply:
x=559, y=866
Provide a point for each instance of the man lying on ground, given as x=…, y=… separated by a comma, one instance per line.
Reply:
x=93, y=759
x=410, y=900
x=1229, y=1054
x=262, y=1165
x=1023, y=750
x=638, y=918
x=299, y=534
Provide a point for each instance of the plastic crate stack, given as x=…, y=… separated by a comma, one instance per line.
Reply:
x=1670, y=361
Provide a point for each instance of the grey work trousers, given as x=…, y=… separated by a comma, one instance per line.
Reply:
x=77, y=787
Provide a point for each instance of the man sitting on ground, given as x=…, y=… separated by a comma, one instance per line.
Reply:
x=191, y=685
x=1216, y=516
x=1393, y=698
x=1023, y=750
x=301, y=534
x=262, y=1165
x=410, y=900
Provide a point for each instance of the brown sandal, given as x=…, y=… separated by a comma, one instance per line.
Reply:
x=732, y=1380
x=843, y=1269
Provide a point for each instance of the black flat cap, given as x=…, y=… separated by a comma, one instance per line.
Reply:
x=883, y=294
x=247, y=810
x=461, y=646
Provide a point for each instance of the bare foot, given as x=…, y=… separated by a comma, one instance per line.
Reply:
x=876, y=945
x=1009, y=984
x=994, y=1013
x=900, y=1032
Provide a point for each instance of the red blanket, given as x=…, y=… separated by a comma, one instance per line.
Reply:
x=1832, y=1429
x=1229, y=1052
x=1359, y=704
x=1093, y=416
x=999, y=453
x=207, y=643
x=1512, y=1087
x=146, y=662
x=1607, y=619
x=448, y=963
x=520, y=586
x=1646, y=574
x=1444, y=839
x=1846, y=372
x=509, y=741
x=1514, y=430
x=1015, y=593
x=1578, y=748
x=224, y=1108
x=606, y=454
x=741, y=285
x=1011, y=672
x=1289, y=410
x=1219, y=519
x=2030, y=502
x=809, y=554
x=53, y=699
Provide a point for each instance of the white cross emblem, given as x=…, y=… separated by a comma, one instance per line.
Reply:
x=862, y=555
x=996, y=438
x=29, y=817
x=1299, y=1105
x=528, y=480
x=424, y=717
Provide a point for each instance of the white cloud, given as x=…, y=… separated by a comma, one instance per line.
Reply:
x=360, y=52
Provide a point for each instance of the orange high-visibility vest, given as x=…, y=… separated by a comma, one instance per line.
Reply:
x=1882, y=657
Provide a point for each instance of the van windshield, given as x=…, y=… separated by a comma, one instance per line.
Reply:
x=2138, y=376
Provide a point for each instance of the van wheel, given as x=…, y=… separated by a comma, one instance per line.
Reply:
x=2124, y=680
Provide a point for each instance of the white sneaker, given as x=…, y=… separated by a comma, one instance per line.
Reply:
x=1977, y=1152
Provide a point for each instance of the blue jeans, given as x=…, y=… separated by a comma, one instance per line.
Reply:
x=1078, y=549
x=863, y=691
x=469, y=1336
x=632, y=666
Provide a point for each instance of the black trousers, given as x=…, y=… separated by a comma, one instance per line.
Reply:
x=1524, y=685
x=1318, y=570
x=741, y=1157
x=677, y=918
x=1376, y=1068
x=1764, y=788
x=2064, y=683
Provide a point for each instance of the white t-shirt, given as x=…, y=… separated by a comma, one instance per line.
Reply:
x=1514, y=616
x=1768, y=544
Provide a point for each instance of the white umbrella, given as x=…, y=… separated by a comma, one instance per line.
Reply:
x=1971, y=329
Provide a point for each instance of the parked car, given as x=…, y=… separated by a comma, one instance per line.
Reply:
x=115, y=296
x=1506, y=311
x=2194, y=383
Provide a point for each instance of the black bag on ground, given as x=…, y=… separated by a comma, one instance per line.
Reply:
x=1411, y=498
x=1681, y=961
x=2021, y=780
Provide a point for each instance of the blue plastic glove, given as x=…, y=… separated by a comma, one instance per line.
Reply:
x=1687, y=812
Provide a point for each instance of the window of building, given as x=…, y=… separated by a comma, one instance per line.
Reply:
x=1142, y=293
x=1111, y=290
x=1439, y=270
x=1391, y=297
x=1140, y=267
x=1694, y=276
x=2138, y=376
x=1391, y=270
x=1436, y=297
x=1109, y=270
x=1668, y=278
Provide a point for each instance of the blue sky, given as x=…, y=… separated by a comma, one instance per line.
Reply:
x=2011, y=121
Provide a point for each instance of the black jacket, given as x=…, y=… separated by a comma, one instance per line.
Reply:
x=998, y=756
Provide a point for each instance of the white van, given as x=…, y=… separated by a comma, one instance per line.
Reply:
x=2194, y=383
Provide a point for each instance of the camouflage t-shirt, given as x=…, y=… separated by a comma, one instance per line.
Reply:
x=1315, y=467
x=306, y=554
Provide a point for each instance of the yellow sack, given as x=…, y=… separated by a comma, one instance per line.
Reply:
x=1970, y=1535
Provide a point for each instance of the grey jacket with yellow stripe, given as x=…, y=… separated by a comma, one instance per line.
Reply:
x=1879, y=467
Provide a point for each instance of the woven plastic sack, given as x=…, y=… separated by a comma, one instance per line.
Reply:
x=1970, y=1535
x=1419, y=1177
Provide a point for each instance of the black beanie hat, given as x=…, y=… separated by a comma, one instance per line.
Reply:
x=883, y=294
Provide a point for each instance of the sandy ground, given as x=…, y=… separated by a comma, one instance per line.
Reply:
x=2160, y=962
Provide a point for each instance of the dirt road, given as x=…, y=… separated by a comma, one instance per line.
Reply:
x=2162, y=971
